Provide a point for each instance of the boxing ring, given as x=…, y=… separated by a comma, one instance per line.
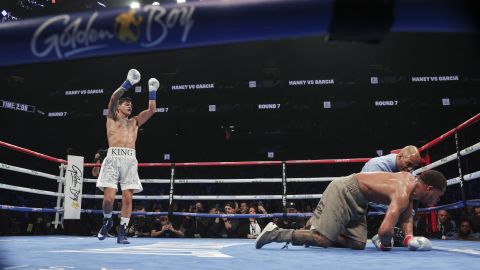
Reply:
x=70, y=252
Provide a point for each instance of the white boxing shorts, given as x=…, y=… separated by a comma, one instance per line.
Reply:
x=120, y=167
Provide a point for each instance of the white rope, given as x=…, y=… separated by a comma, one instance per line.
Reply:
x=450, y=182
x=30, y=190
x=250, y=180
x=89, y=180
x=28, y=171
x=211, y=198
x=246, y=197
x=135, y=197
x=436, y=163
x=227, y=181
x=155, y=181
x=313, y=179
x=449, y=158
x=471, y=176
x=453, y=181
x=467, y=177
x=471, y=149
x=87, y=196
x=147, y=181
x=304, y=196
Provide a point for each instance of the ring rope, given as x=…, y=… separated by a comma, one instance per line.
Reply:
x=452, y=181
x=28, y=171
x=449, y=158
x=228, y=181
x=31, y=190
x=32, y=153
x=449, y=133
x=466, y=177
x=247, y=163
x=452, y=206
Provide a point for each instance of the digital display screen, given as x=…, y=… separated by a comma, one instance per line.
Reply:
x=11, y=105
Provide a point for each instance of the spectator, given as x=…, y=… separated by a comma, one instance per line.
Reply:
x=195, y=226
x=261, y=208
x=445, y=227
x=230, y=225
x=476, y=220
x=177, y=221
x=214, y=228
x=140, y=225
x=242, y=222
x=465, y=231
x=164, y=229
x=252, y=228
x=291, y=222
x=243, y=208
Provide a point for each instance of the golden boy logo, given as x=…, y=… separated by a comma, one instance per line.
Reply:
x=127, y=26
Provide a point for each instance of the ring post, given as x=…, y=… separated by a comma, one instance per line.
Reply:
x=59, y=197
x=460, y=171
x=284, y=189
x=170, y=196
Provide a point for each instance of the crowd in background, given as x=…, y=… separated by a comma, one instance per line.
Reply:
x=458, y=224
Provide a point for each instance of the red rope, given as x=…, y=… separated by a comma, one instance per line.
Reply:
x=246, y=163
x=32, y=153
x=450, y=133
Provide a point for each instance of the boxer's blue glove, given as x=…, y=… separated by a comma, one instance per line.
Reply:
x=133, y=77
x=153, y=85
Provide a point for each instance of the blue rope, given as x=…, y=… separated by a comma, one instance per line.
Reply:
x=380, y=211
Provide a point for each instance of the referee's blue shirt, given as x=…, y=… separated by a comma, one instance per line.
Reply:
x=381, y=164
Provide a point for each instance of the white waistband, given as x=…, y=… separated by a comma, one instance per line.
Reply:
x=121, y=151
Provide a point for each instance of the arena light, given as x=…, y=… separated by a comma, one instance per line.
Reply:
x=101, y=4
x=181, y=1
x=446, y=101
x=155, y=4
x=135, y=5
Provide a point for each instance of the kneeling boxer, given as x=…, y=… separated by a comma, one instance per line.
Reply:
x=340, y=217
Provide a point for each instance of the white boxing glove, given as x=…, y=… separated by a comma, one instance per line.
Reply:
x=133, y=77
x=153, y=85
x=378, y=244
x=417, y=243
